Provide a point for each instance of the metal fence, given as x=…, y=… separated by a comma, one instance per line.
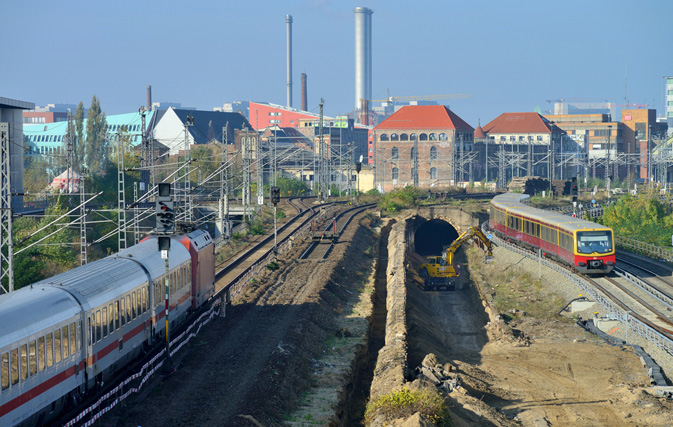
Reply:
x=647, y=249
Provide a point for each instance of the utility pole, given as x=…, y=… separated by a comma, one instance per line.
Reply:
x=607, y=166
x=224, y=185
x=188, y=197
x=245, y=191
x=323, y=183
x=529, y=164
x=165, y=227
x=121, y=197
x=136, y=215
x=454, y=174
x=259, y=164
x=145, y=155
x=501, y=166
x=69, y=162
x=462, y=158
x=82, y=221
x=6, y=239
x=415, y=169
x=649, y=156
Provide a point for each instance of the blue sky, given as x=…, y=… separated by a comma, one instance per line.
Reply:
x=508, y=55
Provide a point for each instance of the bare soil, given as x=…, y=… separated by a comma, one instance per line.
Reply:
x=256, y=365
x=531, y=372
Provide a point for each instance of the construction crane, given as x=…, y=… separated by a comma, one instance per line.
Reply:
x=421, y=98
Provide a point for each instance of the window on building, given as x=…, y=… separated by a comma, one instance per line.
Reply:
x=512, y=138
x=394, y=137
x=503, y=138
x=413, y=137
x=433, y=137
x=404, y=137
x=423, y=137
x=433, y=173
x=539, y=137
x=395, y=152
x=433, y=153
x=522, y=138
x=443, y=137
x=396, y=173
x=384, y=137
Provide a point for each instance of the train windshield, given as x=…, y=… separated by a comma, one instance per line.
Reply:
x=589, y=242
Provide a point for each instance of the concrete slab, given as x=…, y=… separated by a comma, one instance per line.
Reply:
x=581, y=305
x=607, y=325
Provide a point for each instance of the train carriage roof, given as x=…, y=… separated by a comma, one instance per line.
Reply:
x=32, y=309
x=515, y=203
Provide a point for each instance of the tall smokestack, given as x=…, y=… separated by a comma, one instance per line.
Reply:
x=288, y=20
x=360, y=56
x=304, y=106
x=369, y=55
x=149, y=97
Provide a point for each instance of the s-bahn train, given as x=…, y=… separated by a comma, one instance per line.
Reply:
x=585, y=246
x=63, y=336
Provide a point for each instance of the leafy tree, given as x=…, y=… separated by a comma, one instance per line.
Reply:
x=79, y=129
x=644, y=218
x=35, y=176
x=292, y=187
x=96, y=150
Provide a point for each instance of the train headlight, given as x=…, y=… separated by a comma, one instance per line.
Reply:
x=610, y=263
x=581, y=264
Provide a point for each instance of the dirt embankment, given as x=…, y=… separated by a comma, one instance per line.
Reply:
x=259, y=363
x=391, y=366
x=513, y=367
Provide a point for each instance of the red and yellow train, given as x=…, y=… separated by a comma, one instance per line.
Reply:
x=585, y=246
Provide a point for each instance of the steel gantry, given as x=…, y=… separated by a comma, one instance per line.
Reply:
x=6, y=242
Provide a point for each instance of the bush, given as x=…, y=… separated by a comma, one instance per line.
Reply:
x=398, y=199
x=256, y=228
x=273, y=266
x=404, y=403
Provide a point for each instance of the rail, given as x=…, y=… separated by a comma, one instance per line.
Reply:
x=652, y=251
x=614, y=311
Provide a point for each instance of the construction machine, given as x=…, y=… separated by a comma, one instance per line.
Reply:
x=439, y=273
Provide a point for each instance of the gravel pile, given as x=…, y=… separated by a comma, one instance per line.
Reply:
x=556, y=282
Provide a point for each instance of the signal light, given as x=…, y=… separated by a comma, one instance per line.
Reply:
x=165, y=222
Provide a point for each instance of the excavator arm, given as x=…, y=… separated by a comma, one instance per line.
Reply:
x=450, y=250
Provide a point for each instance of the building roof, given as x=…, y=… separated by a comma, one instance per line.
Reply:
x=15, y=103
x=208, y=124
x=518, y=123
x=423, y=117
x=479, y=132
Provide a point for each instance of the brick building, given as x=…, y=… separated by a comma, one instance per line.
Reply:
x=434, y=129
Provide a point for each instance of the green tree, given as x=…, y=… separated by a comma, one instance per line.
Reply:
x=35, y=176
x=79, y=142
x=96, y=150
x=644, y=218
x=292, y=187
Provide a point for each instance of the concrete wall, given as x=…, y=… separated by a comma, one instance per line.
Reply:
x=14, y=117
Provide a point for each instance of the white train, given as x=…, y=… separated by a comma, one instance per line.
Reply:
x=63, y=336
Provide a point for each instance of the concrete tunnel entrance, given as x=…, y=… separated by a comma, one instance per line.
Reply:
x=431, y=237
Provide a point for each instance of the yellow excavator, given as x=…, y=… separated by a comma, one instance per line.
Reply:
x=439, y=273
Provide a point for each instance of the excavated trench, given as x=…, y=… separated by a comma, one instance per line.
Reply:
x=363, y=373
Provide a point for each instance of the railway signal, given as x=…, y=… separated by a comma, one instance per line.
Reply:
x=275, y=195
x=165, y=210
x=275, y=199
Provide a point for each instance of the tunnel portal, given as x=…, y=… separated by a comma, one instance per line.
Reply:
x=431, y=237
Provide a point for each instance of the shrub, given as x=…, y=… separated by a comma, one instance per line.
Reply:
x=256, y=228
x=404, y=403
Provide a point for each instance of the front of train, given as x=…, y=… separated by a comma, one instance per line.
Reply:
x=594, y=250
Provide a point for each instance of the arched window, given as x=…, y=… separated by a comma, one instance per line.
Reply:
x=395, y=153
x=423, y=137
x=396, y=173
x=413, y=137
x=443, y=137
x=433, y=137
x=404, y=137
x=394, y=137
x=433, y=153
x=384, y=137
x=433, y=173
x=413, y=153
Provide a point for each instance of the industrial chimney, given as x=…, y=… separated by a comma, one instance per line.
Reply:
x=363, y=55
x=304, y=103
x=149, y=97
x=288, y=21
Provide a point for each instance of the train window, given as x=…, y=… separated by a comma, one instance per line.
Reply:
x=128, y=308
x=73, y=338
x=139, y=308
x=134, y=305
x=4, y=370
x=97, y=331
x=57, y=345
x=112, y=318
x=145, y=305
x=24, y=362
x=122, y=311
x=50, y=349
x=116, y=315
x=32, y=353
x=40, y=354
x=78, y=335
x=66, y=343
x=14, y=366
x=537, y=230
x=104, y=322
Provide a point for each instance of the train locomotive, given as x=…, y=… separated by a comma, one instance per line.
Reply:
x=64, y=336
x=585, y=246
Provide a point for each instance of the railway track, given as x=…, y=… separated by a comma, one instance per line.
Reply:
x=330, y=236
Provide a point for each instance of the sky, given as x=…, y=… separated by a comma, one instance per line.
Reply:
x=509, y=56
